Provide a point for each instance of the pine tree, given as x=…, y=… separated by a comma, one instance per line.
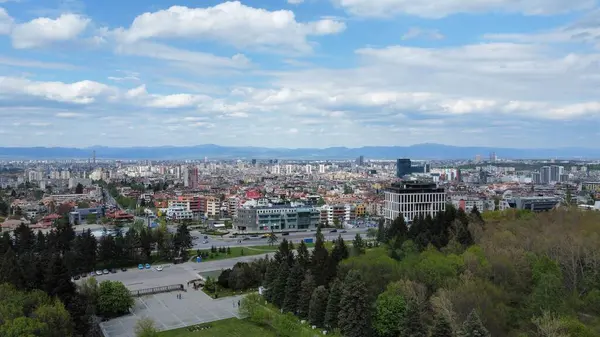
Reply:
x=411, y=324
x=293, y=287
x=303, y=256
x=397, y=230
x=441, y=327
x=9, y=269
x=270, y=278
x=57, y=281
x=280, y=284
x=354, y=307
x=358, y=245
x=333, y=305
x=319, y=260
x=307, y=288
x=318, y=306
x=473, y=327
x=381, y=231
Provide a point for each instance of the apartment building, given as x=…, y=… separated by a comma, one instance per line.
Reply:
x=412, y=199
x=179, y=213
x=342, y=213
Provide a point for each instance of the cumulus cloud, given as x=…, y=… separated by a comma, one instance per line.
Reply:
x=231, y=23
x=416, y=32
x=442, y=8
x=6, y=22
x=44, y=31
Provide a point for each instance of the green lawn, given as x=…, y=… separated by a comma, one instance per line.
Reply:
x=235, y=252
x=232, y=327
x=226, y=292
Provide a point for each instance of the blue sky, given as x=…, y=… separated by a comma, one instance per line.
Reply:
x=312, y=73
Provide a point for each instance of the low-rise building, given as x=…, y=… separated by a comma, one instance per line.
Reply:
x=284, y=218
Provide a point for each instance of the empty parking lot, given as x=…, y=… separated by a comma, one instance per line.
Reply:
x=169, y=312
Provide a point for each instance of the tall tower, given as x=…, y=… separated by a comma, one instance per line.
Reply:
x=94, y=157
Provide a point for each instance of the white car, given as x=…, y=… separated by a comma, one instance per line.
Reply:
x=159, y=268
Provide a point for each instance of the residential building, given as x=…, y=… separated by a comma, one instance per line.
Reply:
x=412, y=199
x=337, y=214
x=284, y=218
x=179, y=213
x=545, y=175
x=555, y=173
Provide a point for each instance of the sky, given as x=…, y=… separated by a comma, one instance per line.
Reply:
x=300, y=73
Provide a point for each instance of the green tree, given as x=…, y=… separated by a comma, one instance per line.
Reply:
x=145, y=327
x=354, y=308
x=381, y=235
x=333, y=305
x=272, y=238
x=441, y=327
x=55, y=318
x=9, y=269
x=358, y=245
x=318, y=306
x=303, y=256
x=389, y=308
x=293, y=287
x=22, y=327
x=306, y=289
x=319, y=260
x=397, y=230
x=182, y=241
x=114, y=299
x=270, y=280
x=473, y=327
x=279, y=286
x=79, y=189
x=411, y=324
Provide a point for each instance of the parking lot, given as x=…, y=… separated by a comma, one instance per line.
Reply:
x=135, y=279
x=169, y=312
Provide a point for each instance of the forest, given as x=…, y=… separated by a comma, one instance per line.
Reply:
x=511, y=273
x=40, y=269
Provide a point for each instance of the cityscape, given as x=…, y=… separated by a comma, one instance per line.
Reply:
x=299, y=168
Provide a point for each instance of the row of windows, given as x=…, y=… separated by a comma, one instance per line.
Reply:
x=417, y=197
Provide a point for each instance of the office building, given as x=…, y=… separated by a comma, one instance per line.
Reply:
x=535, y=204
x=267, y=219
x=192, y=177
x=360, y=161
x=412, y=199
x=406, y=167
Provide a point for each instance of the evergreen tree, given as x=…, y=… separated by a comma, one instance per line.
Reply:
x=411, y=324
x=57, y=280
x=270, y=278
x=5, y=242
x=293, y=287
x=441, y=327
x=318, y=306
x=9, y=269
x=381, y=231
x=358, y=245
x=473, y=327
x=40, y=243
x=182, y=241
x=319, y=260
x=354, y=309
x=24, y=239
x=278, y=295
x=333, y=305
x=397, y=230
x=303, y=256
x=339, y=251
x=306, y=290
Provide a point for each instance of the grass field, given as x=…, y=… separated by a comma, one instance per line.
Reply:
x=232, y=327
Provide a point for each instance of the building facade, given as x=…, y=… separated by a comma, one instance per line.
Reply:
x=412, y=199
x=266, y=219
x=406, y=167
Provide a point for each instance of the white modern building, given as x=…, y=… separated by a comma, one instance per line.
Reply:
x=179, y=213
x=412, y=199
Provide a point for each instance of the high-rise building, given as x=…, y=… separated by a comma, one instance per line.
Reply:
x=288, y=169
x=412, y=199
x=321, y=168
x=555, y=173
x=405, y=167
x=536, y=178
x=193, y=177
x=545, y=174
x=308, y=169
x=360, y=161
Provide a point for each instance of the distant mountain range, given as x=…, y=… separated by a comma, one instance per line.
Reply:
x=419, y=151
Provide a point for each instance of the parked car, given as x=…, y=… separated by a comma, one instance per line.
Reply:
x=140, y=266
x=98, y=272
x=205, y=241
x=84, y=275
x=285, y=233
x=147, y=265
x=333, y=231
x=112, y=270
x=343, y=232
x=205, y=237
x=159, y=268
x=105, y=271
x=76, y=277
x=123, y=269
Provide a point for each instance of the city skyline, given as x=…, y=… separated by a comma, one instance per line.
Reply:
x=299, y=74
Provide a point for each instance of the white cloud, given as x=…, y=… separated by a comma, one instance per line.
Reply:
x=45, y=31
x=82, y=92
x=295, y=2
x=230, y=23
x=6, y=22
x=416, y=32
x=441, y=8
x=68, y=115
